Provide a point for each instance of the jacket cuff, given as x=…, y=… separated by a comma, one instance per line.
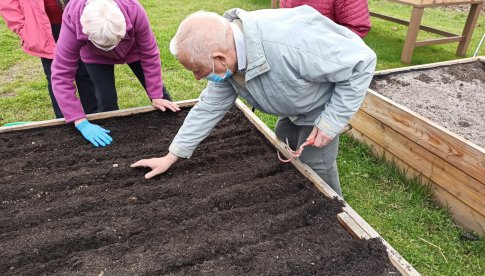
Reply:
x=180, y=152
x=158, y=96
x=72, y=119
x=325, y=127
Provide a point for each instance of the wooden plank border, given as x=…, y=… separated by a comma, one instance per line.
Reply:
x=92, y=117
x=460, y=210
x=453, y=166
x=406, y=23
x=428, y=66
x=437, y=155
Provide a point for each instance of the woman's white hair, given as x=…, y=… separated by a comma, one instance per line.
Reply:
x=103, y=22
x=199, y=35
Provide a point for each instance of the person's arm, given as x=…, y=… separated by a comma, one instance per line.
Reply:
x=351, y=71
x=214, y=102
x=13, y=15
x=64, y=69
x=150, y=61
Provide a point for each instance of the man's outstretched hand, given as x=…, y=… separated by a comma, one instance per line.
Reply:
x=158, y=165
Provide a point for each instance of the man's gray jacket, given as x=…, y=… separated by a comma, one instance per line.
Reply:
x=300, y=65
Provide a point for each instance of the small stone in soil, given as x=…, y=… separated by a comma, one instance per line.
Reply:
x=132, y=199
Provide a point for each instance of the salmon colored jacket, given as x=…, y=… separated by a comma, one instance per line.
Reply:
x=28, y=19
x=353, y=14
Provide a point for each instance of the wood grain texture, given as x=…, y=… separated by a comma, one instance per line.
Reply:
x=461, y=153
x=95, y=116
x=440, y=170
x=462, y=213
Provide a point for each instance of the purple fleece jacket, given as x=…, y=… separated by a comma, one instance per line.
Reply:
x=139, y=44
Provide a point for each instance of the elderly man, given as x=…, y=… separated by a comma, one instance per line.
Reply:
x=294, y=63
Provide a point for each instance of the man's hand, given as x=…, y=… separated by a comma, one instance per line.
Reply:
x=158, y=165
x=95, y=134
x=164, y=104
x=321, y=139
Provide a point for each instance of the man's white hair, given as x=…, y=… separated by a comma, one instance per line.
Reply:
x=199, y=35
x=103, y=22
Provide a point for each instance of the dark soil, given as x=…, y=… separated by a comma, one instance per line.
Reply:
x=424, y=78
x=232, y=209
x=468, y=72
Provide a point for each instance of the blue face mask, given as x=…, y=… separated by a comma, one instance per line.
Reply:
x=213, y=77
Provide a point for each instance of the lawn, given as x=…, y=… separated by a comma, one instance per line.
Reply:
x=400, y=210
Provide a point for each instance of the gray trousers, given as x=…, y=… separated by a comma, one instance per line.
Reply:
x=322, y=160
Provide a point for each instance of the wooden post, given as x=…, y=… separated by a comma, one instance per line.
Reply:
x=412, y=35
x=274, y=4
x=471, y=21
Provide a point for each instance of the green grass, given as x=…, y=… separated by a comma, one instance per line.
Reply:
x=403, y=213
x=400, y=210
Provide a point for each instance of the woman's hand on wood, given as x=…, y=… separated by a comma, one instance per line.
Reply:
x=164, y=104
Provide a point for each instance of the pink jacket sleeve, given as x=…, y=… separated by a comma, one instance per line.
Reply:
x=325, y=7
x=13, y=15
x=149, y=55
x=353, y=14
x=64, y=69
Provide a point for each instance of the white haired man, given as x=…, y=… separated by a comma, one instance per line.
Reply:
x=102, y=33
x=294, y=63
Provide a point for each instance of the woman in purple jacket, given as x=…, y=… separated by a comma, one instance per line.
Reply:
x=102, y=33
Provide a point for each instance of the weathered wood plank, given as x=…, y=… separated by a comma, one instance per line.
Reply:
x=439, y=41
x=405, y=22
x=96, y=116
x=462, y=213
x=352, y=227
x=426, y=66
x=463, y=186
x=461, y=153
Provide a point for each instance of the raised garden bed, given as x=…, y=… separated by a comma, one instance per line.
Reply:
x=430, y=121
x=232, y=209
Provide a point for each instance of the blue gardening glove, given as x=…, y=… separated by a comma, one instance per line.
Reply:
x=95, y=134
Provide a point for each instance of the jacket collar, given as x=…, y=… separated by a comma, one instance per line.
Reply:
x=256, y=58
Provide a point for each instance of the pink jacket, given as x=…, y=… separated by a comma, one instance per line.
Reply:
x=28, y=19
x=353, y=14
x=138, y=44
